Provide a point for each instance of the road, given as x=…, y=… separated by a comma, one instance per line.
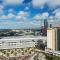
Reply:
x=38, y=56
x=32, y=57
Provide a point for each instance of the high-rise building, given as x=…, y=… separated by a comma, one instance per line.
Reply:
x=45, y=26
x=53, y=39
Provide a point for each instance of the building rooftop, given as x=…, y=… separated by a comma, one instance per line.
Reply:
x=23, y=37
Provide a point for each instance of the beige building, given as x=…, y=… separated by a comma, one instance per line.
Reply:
x=53, y=38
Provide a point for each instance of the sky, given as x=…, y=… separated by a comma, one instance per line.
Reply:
x=26, y=14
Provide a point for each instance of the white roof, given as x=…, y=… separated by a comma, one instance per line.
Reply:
x=24, y=38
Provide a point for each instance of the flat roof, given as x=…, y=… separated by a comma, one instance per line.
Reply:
x=23, y=37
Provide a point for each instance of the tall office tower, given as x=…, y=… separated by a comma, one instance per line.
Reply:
x=53, y=39
x=45, y=25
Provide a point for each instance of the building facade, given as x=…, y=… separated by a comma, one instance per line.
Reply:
x=53, y=39
x=45, y=26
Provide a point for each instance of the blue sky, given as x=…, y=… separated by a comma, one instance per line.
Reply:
x=20, y=14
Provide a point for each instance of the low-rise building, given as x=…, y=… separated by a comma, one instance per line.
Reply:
x=18, y=45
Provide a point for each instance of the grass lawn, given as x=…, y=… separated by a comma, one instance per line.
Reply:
x=51, y=57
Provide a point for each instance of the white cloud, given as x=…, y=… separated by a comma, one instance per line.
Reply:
x=13, y=2
x=1, y=9
x=22, y=15
x=41, y=16
x=22, y=18
x=11, y=15
x=3, y=17
x=56, y=10
x=45, y=15
x=38, y=3
x=23, y=22
x=10, y=10
x=7, y=17
x=57, y=13
x=26, y=8
x=37, y=17
x=53, y=3
x=50, y=3
x=51, y=17
x=18, y=17
x=1, y=6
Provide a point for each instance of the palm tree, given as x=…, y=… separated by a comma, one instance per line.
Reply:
x=8, y=54
x=25, y=50
x=22, y=53
x=15, y=54
x=12, y=52
x=8, y=50
x=30, y=52
x=18, y=51
x=4, y=52
x=22, y=49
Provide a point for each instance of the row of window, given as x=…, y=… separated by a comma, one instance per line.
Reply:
x=14, y=43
